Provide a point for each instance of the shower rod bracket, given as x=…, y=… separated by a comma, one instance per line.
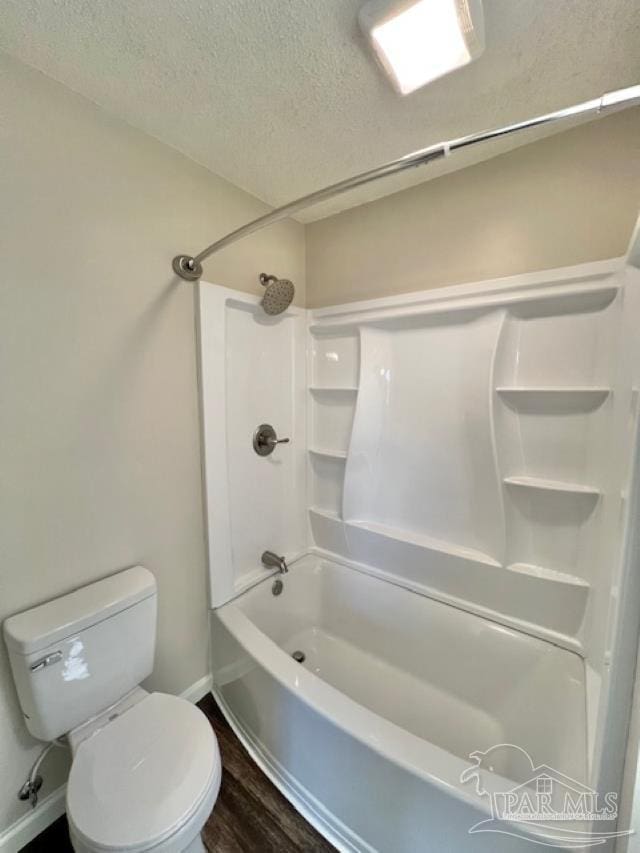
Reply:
x=190, y=268
x=187, y=267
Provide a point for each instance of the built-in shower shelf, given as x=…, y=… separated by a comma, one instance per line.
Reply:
x=428, y=543
x=423, y=540
x=548, y=574
x=549, y=398
x=552, y=486
x=325, y=513
x=331, y=389
x=331, y=454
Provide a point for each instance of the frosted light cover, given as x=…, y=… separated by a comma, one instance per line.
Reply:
x=417, y=42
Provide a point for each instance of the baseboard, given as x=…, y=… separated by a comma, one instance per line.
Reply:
x=198, y=690
x=34, y=822
x=31, y=824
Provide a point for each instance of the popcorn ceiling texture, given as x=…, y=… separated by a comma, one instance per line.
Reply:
x=282, y=98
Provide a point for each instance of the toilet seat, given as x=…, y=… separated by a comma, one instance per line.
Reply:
x=149, y=775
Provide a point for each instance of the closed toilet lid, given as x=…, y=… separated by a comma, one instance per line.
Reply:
x=139, y=779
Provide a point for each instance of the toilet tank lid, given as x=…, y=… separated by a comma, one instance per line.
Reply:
x=49, y=623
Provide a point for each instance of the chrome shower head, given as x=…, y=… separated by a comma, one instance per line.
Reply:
x=278, y=294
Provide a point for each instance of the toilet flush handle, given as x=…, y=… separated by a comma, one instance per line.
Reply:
x=54, y=657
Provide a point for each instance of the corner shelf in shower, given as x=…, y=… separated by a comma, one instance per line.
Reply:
x=325, y=513
x=330, y=454
x=550, y=398
x=333, y=389
x=557, y=486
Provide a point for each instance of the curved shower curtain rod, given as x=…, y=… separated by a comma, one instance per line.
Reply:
x=190, y=268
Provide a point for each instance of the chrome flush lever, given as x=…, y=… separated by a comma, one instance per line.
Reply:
x=265, y=440
x=49, y=660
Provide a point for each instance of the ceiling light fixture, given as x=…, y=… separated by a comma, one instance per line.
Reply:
x=419, y=40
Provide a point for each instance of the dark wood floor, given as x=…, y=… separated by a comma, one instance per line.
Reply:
x=55, y=837
x=250, y=816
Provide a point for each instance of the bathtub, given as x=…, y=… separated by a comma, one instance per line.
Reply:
x=369, y=736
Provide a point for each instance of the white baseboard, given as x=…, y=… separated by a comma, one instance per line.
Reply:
x=31, y=824
x=198, y=690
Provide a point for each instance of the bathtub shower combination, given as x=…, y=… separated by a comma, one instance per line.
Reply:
x=454, y=505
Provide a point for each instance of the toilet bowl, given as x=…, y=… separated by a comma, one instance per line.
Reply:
x=145, y=781
x=146, y=768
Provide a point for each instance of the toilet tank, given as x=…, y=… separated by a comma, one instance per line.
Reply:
x=75, y=655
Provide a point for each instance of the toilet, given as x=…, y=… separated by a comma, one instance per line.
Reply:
x=146, y=768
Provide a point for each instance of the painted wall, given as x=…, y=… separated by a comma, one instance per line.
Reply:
x=568, y=199
x=100, y=453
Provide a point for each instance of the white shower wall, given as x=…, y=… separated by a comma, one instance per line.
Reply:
x=252, y=372
x=472, y=444
x=479, y=465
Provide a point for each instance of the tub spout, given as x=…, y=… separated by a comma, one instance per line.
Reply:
x=272, y=561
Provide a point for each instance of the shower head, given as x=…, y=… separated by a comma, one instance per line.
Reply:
x=278, y=293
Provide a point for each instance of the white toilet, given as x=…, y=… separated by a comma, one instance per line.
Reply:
x=146, y=767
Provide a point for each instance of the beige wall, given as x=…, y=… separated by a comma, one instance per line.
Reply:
x=99, y=449
x=568, y=199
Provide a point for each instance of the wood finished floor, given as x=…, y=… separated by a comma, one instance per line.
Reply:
x=250, y=816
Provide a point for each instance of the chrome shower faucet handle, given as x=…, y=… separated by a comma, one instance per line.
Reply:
x=265, y=440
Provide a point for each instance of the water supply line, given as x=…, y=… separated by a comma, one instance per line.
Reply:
x=189, y=267
x=29, y=791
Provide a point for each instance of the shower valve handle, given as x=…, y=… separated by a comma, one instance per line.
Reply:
x=265, y=440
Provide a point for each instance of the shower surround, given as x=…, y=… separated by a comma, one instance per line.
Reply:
x=455, y=506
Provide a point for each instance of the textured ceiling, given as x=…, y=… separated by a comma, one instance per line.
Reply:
x=281, y=97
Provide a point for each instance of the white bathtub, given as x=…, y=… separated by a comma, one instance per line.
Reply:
x=370, y=735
